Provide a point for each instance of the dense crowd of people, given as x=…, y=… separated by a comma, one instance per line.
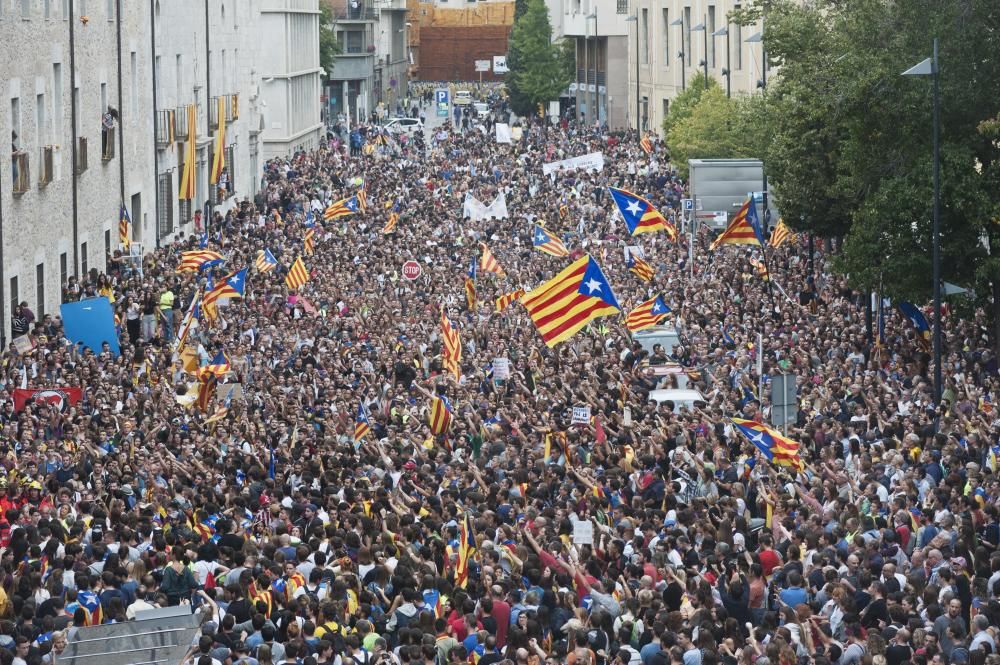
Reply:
x=656, y=535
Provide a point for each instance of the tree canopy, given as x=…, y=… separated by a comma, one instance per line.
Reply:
x=539, y=68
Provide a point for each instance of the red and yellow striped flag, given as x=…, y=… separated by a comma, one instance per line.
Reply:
x=297, y=275
x=219, y=159
x=390, y=224
x=506, y=299
x=488, y=262
x=470, y=293
x=309, y=242
x=187, y=191
x=452, y=352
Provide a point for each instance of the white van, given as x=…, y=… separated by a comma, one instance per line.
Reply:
x=679, y=398
x=463, y=97
x=667, y=336
x=482, y=109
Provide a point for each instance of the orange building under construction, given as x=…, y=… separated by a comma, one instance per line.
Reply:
x=446, y=43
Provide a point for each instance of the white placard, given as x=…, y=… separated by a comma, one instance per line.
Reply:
x=476, y=210
x=634, y=250
x=583, y=532
x=500, y=64
x=503, y=133
x=482, y=65
x=581, y=415
x=501, y=368
x=590, y=162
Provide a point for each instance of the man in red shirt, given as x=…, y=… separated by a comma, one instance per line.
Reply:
x=501, y=612
x=769, y=558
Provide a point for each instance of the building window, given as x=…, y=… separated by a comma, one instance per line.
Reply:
x=63, y=269
x=48, y=9
x=711, y=40
x=15, y=296
x=57, y=109
x=107, y=248
x=134, y=77
x=666, y=38
x=737, y=43
x=622, y=6
x=687, y=36
x=84, y=265
x=65, y=10
x=165, y=214
x=26, y=9
x=666, y=107
x=645, y=114
x=40, y=290
x=111, y=10
x=644, y=46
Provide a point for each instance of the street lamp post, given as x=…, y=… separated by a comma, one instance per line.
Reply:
x=727, y=71
x=680, y=54
x=758, y=38
x=592, y=57
x=929, y=67
x=638, y=123
x=701, y=27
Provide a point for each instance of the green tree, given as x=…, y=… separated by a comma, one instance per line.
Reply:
x=329, y=47
x=684, y=103
x=538, y=66
x=712, y=129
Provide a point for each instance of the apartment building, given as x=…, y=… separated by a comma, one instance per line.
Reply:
x=95, y=98
x=599, y=31
x=671, y=42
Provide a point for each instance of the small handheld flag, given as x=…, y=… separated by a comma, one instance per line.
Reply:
x=124, y=228
x=362, y=426
x=194, y=261
x=266, y=261
x=309, y=241
x=232, y=286
x=639, y=214
x=452, y=352
x=506, y=299
x=781, y=234
x=341, y=208
x=439, y=418
x=640, y=268
x=919, y=322
x=743, y=230
x=547, y=242
x=488, y=262
x=774, y=446
x=647, y=314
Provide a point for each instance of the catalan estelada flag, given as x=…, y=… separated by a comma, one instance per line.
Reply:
x=91, y=604
x=124, y=228
x=567, y=302
x=219, y=158
x=265, y=261
x=362, y=196
x=362, y=426
x=341, y=208
x=639, y=214
x=919, y=322
x=646, y=145
x=547, y=242
x=470, y=293
x=647, y=314
x=308, y=241
x=198, y=259
x=466, y=549
x=297, y=275
x=390, y=224
x=743, y=230
x=506, y=299
x=439, y=417
x=232, y=286
x=192, y=314
x=206, y=389
x=775, y=447
x=488, y=262
x=781, y=234
x=219, y=366
x=640, y=268
x=451, y=353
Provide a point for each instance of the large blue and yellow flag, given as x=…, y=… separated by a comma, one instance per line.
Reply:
x=342, y=208
x=745, y=229
x=232, y=286
x=466, y=548
x=775, y=447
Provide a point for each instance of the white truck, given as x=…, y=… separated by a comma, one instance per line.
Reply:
x=719, y=187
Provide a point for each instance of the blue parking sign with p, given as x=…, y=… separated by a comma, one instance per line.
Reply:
x=442, y=96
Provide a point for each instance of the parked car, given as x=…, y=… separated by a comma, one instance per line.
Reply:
x=482, y=109
x=462, y=98
x=404, y=125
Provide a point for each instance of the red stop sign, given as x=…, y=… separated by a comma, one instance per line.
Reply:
x=411, y=270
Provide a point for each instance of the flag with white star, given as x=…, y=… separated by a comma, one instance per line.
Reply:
x=647, y=314
x=639, y=214
x=231, y=286
x=570, y=300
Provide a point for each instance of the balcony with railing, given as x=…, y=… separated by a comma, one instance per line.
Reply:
x=355, y=11
x=165, y=128
x=20, y=172
x=232, y=107
x=181, y=124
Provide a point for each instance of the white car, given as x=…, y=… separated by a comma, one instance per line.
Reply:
x=482, y=109
x=404, y=125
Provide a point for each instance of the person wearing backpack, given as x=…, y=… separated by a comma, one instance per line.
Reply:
x=356, y=654
x=178, y=580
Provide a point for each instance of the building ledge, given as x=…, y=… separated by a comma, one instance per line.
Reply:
x=292, y=137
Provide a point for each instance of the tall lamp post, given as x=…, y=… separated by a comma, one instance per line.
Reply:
x=680, y=54
x=758, y=38
x=701, y=28
x=638, y=123
x=725, y=72
x=592, y=56
x=929, y=67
